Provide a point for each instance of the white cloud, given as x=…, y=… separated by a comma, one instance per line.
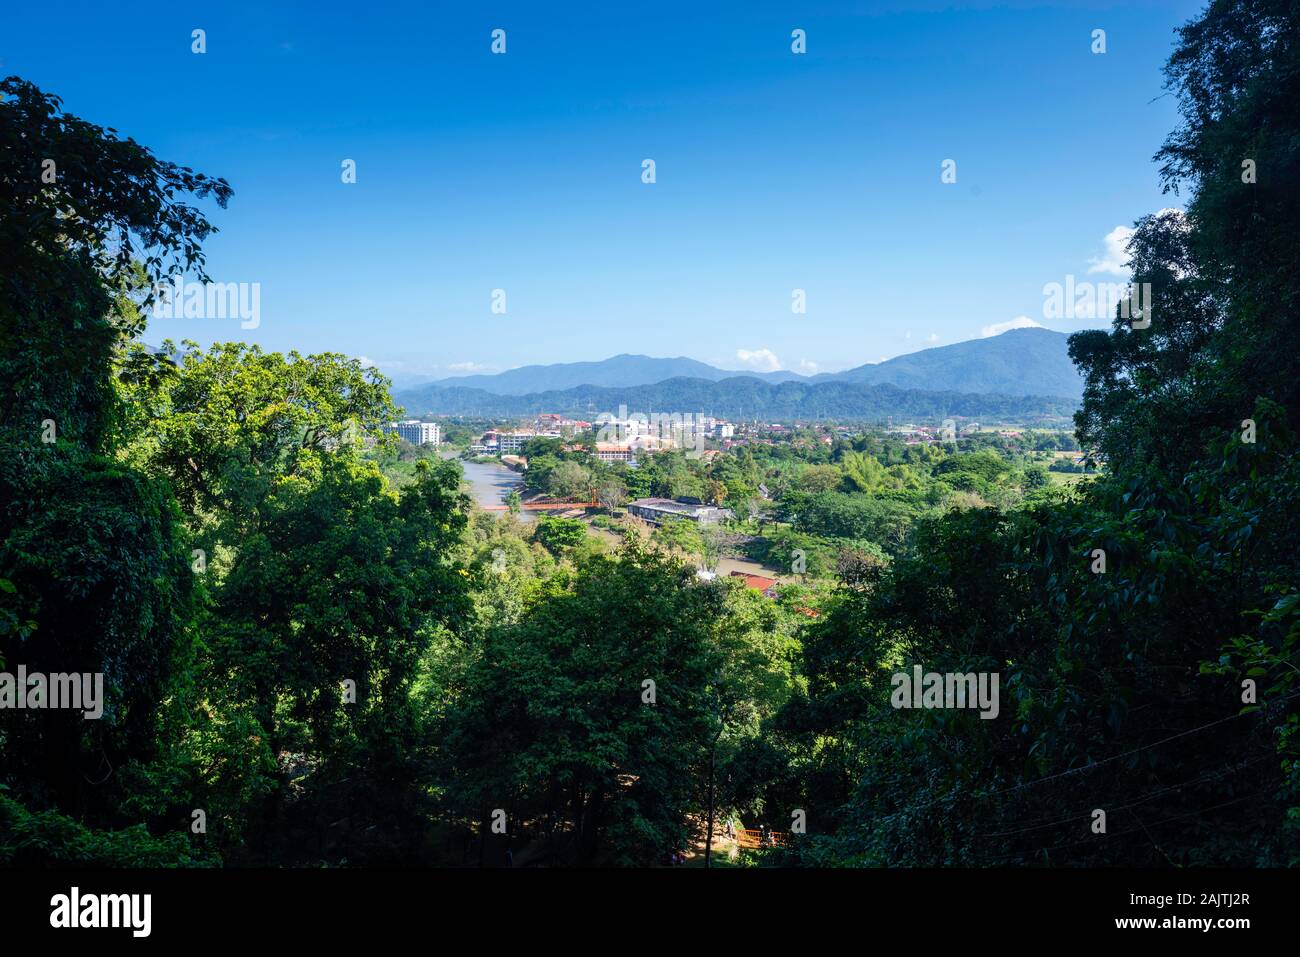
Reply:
x=760, y=360
x=807, y=367
x=1115, y=253
x=1020, y=322
x=932, y=337
x=466, y=367
x=1115, y=258
x=367, y=362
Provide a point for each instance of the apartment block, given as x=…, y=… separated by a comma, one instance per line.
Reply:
x=417, y=432
x=510, y=443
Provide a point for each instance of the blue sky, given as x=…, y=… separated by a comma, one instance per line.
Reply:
x=522, y=171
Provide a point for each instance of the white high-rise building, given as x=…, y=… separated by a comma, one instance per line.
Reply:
x=511, y=443
x=417, y=432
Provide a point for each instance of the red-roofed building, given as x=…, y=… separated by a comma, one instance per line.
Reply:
x=611, y=452
x=766, y=585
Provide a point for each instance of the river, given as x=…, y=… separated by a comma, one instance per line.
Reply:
x=490, y=484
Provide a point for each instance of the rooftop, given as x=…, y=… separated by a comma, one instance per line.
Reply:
x=679, y=508
x=756, y=581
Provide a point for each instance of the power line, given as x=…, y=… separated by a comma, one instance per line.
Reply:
x=1217, y=772
x=1093, y=765
x=1142, y=827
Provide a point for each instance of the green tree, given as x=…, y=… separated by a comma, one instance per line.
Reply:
x=558, y=728
x=323, y=584
x=560, y=534
x=84, y=536
x=569, y=480
x=820, y=478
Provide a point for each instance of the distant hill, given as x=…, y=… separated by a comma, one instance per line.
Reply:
x=618, y=370
x=1018, y=362
x=744, y=397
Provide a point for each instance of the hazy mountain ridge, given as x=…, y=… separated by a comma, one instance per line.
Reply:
x=1021, y=362
x=1018, y=362
x=742, y=398
x=619, y=370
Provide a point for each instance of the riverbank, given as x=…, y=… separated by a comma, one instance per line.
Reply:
x=490, y=483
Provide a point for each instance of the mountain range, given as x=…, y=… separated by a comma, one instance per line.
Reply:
x=1020, y=374
x=1018, y=362
x=617, y=370
x=743, y=398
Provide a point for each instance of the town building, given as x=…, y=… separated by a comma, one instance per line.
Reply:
x=656, y=510
x=650, y=443
x=613, y=452
x=417, y=432
x=509, y=443
x=758, y=582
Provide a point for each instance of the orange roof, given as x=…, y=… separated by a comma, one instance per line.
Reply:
x=755, y=581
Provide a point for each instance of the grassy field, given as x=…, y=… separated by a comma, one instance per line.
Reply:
x=1069, y=478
